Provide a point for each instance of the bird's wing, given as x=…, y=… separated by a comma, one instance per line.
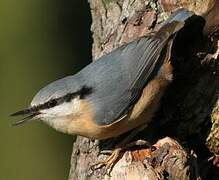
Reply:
x=119, y=77
x=122, y=75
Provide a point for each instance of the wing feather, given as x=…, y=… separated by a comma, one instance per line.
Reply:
x=122, y=76
x=119, y=77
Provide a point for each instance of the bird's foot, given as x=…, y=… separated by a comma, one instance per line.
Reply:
x=110, y=161
x=115, y=154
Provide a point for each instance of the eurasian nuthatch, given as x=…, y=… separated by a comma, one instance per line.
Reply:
x=114, y=94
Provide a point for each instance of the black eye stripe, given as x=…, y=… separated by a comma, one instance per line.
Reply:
x=68, y=98
x=52, y=103
x=82, y=93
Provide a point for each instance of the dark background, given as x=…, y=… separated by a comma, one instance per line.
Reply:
x=40, y=41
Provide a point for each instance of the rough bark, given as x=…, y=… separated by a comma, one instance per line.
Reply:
x=189, y=113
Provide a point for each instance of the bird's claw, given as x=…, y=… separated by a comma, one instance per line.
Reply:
x=109, y=162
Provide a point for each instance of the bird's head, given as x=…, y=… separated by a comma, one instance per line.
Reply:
x=55, y=103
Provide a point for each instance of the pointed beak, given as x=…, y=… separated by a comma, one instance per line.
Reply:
x=30, y=114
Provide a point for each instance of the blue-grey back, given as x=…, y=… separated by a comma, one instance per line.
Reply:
x=118, y=78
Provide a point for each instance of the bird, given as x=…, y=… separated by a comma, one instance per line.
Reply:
x=114, y=94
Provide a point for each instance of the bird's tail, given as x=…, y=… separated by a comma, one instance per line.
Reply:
x=175, y=22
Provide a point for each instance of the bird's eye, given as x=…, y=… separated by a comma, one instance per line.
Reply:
x=52, y=103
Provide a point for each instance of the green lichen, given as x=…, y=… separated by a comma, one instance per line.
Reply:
x=151, y=4
x=212, y=140
x=105, y=2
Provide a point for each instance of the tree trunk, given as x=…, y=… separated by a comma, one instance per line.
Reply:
x=185, y=130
